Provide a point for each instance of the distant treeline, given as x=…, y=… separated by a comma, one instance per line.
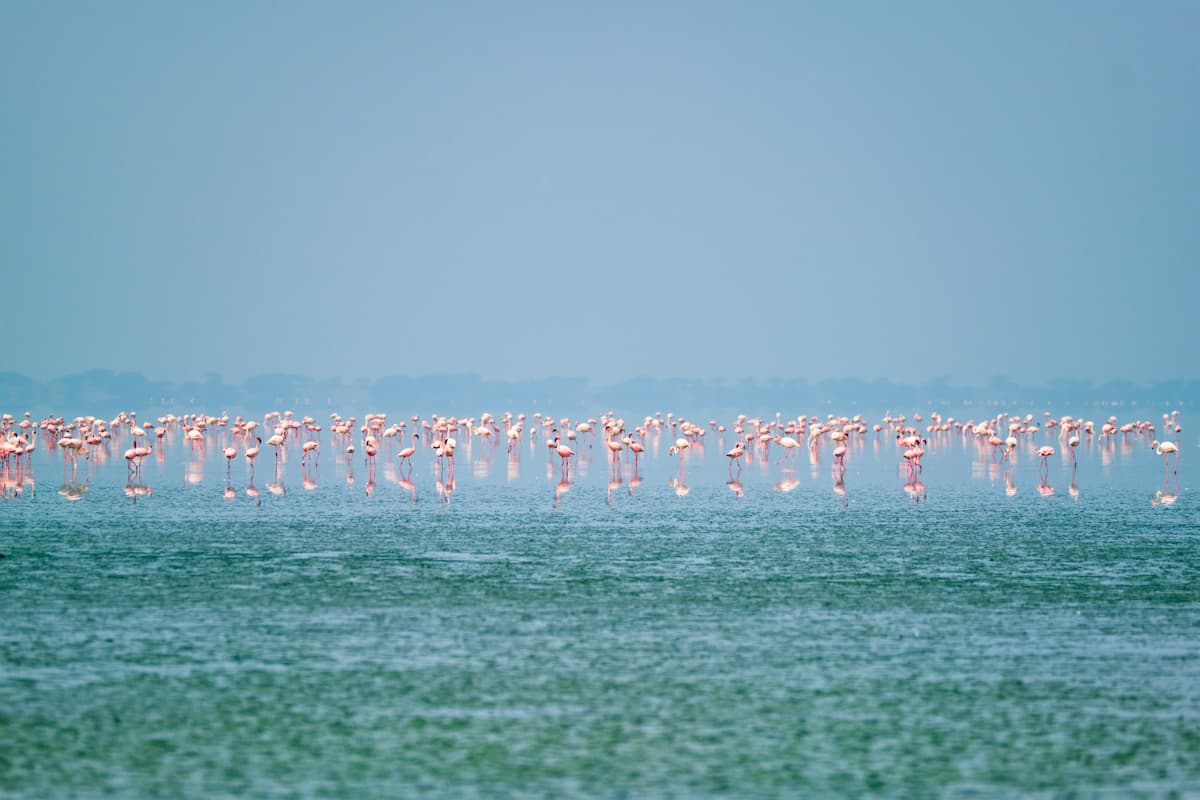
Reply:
x=103, y=392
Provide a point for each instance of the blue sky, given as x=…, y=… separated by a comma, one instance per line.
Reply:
x=692, y=189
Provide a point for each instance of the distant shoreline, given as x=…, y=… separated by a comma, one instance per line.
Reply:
x=105, y=392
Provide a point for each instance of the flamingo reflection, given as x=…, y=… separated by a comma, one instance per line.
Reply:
x=445, y=488
x=193, y=472
x=135, y=490
x=915, y=489
x=1164, y=498
x=788, y=483
x=276, y=486
x=839, y=483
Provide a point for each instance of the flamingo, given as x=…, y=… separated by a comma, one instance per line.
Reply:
x=565, y=454
x=134, y=456
x=252, y=452
x=407, y=453
x=276, y=441
x=839, y=452
x=195, y=437
x=1165, y=449
x=614, y=449
x=735, y=457
x=637, y=448
x=681, y=446
x=1044, y=452
x=789, y=446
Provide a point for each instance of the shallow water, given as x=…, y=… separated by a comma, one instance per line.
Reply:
x=796, y=636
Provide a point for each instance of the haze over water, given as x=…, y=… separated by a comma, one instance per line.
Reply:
x=672, y=189
x=790, y=634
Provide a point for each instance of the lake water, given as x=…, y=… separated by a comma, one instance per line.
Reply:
x=791, y=634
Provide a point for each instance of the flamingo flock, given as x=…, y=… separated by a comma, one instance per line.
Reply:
x=403, y=442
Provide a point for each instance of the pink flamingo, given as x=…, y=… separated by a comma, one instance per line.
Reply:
x=370, y=446
x=407, y=453
x=637, y=448
x=614, y=446
x=134, y=456
x=276, y=441
x=913, y=453
x=614, y=449
x=681, y=446
x=309, y=447
x=839, y=452
x=565, y=454
x=1044, y=452
x=252, y=453
x=1165, y=449
x=789, y=446
x=735, y=457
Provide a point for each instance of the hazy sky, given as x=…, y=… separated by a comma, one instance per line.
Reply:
x=692, y=189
